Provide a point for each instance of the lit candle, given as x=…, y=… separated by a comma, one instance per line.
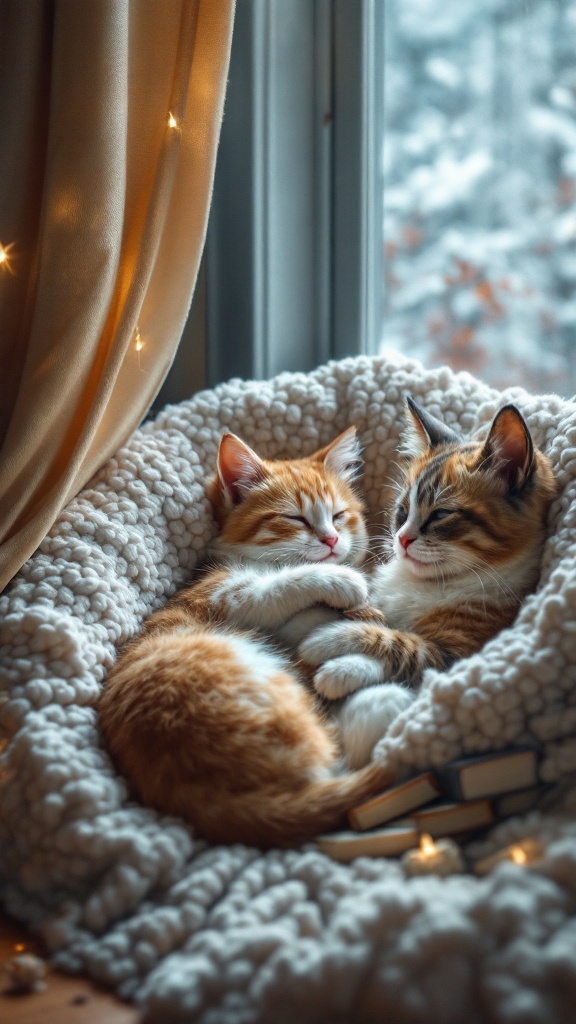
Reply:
x=441, y=858
x=138, y=343
x=525, y=853
x=172, y=122
x=26, y=972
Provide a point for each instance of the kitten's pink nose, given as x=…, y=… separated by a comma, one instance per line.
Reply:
x=330, y=541
x=405, y=539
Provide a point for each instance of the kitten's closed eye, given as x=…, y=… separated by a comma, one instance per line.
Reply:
x=337, y=517
x=298, y=519
x=440, y=513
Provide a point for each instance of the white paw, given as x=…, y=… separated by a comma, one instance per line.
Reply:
x=340, y=676
x=366, y=717
x=341, y=587
x=333, y=641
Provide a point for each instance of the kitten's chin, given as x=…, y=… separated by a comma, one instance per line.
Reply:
x=440, y=571
x=422, y=570
x=331, y=559
x=414, y=567
x=351, y=556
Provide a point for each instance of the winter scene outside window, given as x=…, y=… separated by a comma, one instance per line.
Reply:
x=479, y=164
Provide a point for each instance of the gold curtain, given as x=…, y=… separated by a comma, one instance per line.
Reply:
x=110, y=114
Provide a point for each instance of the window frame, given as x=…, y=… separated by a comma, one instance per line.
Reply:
x=294, y=272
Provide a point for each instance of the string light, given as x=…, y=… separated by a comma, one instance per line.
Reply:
x=518, y=855
x=172, y=122
x=139, y=344
x=5, y=251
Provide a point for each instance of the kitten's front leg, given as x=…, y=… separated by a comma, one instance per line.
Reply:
x=301, y=625
x=401, y=656
x=365, y=613
x=266, y=599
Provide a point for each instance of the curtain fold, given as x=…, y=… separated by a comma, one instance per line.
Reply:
x=110, y=115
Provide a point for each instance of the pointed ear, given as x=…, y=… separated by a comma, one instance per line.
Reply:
x=239, y=468
x=342, y=457
x=508, y=451
x=423, y=431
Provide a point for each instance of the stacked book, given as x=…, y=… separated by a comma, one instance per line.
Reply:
x=461, y=798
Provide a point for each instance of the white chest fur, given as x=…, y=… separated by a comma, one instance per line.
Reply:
x=404, y=598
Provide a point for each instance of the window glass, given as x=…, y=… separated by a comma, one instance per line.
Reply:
x=479, y=162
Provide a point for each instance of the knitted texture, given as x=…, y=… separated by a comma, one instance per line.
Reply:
x=229, y=935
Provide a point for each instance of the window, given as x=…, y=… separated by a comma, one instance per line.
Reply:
x=398, y=176
x=294, y=268
x=479, y=164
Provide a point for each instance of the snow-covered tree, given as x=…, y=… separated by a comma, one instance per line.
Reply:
x=479, y=177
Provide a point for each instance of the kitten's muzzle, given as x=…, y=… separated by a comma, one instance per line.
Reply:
x=406, y=539
x=330, y=540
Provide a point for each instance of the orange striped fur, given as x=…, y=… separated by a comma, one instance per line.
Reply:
x=203, y=716
x=465, y=548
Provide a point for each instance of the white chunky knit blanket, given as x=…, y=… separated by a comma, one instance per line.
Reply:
x=229, y=935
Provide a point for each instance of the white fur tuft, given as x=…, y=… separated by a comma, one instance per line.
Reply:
x=366, y=716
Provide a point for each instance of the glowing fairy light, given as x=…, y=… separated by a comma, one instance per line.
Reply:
x=139, y=344
x=5, y=252
x=518, y=855
x=172, y=122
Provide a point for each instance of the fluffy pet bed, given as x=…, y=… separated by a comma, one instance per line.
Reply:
x=229, y=935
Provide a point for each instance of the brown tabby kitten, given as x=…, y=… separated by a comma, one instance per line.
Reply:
x=207, y=720
x=470, y=522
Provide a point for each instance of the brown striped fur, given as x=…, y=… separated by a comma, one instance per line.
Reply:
x=204, y=718
x=466, y=541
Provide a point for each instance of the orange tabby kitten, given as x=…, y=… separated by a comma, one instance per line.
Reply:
x=209, y=721
x=470, y=522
